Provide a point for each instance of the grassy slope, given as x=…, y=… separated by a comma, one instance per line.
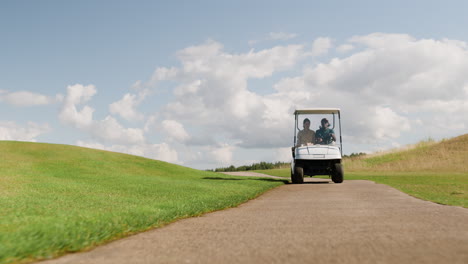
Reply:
x=434, y=171
x=445, y=156
x=56, y=198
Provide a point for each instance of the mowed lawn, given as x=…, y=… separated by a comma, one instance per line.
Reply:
x=433, y=171
x=56, y=199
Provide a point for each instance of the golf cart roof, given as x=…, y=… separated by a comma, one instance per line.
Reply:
x=317, y=111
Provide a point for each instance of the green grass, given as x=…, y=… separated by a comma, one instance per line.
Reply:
x=56, y=199
x=448, y=189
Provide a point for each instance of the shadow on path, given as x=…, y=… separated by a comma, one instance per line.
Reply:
x=314, y=182
x=285, y=181
x=247, y=179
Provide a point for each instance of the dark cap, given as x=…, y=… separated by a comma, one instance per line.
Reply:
x=306, y=120
x=324, y=121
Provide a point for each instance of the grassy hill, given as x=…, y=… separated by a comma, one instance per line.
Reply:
x=449, y=155
x=56, y=198
x=434, y=171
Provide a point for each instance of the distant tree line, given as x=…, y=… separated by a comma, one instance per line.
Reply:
x=255, y=166
x=269, y=165
x=354, y=155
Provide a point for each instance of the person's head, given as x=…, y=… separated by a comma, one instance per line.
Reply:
x=306, y=123
x=325, y=123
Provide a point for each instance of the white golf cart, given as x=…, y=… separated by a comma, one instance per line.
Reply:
x=323, y=155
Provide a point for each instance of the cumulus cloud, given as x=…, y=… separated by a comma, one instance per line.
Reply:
x=393, y=79
x=108, y=133
x=126, y=107
x=321, y=46
x=161, y=151
x=385, y=87
x=213, y=89
x=26, y=98
x=345, y=48
x=281, y=36
x=175, y=130
x=108, y=129
x=12, y=131
x=222, y=154
x=382, y=124
x=76, y=95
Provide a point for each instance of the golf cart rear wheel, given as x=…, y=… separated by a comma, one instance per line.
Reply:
x=337, y=176
x=298, y=176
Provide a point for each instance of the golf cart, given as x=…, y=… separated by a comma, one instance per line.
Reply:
x=321, y=153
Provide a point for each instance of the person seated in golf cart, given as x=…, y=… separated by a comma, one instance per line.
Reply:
x=305, y=136
x=325, y=135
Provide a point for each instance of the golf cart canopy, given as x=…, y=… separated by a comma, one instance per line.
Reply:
x=317, y=111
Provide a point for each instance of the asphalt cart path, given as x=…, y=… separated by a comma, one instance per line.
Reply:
x=315, y=222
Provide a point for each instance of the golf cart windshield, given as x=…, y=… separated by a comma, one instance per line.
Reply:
x=324, y=127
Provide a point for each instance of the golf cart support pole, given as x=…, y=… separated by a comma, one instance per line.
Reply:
x=341, y=141
x=295, y=126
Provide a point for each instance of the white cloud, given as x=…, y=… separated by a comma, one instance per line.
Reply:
x=26, y=98
x=388, y=86
x=110, y=130
x=222, y=154
x=345, y=48
x=387, y=124
x=150, y=123
x=160, y=74
x=213, y=89
x=281, y=35
x=253, y=42
x=274, y=36
x=161, y=151
x=93, y=145
x=175, y=130
x=188, y=88
x=107, y=130
x=209, y=59
x=393, y=80
x=321, y=46
x=76, y=95
x=379, y=87
x=126, y=107
x=11, y=131
x=383, y=40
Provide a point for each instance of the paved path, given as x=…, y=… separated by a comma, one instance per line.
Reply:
x=316, y=222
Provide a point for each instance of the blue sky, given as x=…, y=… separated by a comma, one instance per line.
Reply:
x=212, y=83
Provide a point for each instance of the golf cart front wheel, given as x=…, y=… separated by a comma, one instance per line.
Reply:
x=298, y=176
x=337, y=176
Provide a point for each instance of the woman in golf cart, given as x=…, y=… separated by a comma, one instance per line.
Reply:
x=325, y=135
x=305, y=136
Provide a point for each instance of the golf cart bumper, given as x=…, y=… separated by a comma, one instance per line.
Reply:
x=317, y=152
x=316, y=159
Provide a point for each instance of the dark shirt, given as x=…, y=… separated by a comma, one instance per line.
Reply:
x=325, y=134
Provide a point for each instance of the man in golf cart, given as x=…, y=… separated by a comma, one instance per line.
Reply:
x=325, y=135
x=305, y=136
